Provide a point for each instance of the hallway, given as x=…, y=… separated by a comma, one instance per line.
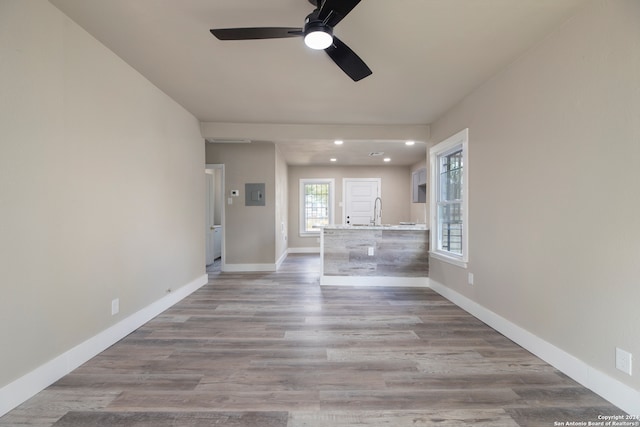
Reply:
x=276, y=350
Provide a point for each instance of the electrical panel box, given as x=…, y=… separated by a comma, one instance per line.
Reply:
x=254, y=195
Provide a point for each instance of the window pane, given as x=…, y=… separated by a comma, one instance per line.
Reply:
x=316, y=206
x=449, y=203
x=450, y=227
x=449, y=194
x=451, y=176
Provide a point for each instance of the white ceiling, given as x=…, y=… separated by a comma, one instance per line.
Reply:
x=426, y=55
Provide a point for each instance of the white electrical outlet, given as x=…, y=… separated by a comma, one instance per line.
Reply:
x=470, y=279
x=624, y=360
x=370, y=251
x=115, y=306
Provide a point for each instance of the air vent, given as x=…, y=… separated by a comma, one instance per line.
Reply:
x=376, y=153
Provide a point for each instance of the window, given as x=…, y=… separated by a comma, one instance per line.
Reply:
x=316, y=205
x=449, y=199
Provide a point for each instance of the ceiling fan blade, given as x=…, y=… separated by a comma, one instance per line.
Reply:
x=333, y=11
x=347, y=60
x=256, y=33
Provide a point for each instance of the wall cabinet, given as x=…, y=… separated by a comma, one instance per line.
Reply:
x=419, y=186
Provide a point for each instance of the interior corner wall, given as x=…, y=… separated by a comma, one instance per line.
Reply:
x=281, y=207
x=101, y=188
x=554, y=209
x=249, y=230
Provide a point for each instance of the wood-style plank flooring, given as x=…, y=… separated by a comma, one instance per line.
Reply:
x=276, y=350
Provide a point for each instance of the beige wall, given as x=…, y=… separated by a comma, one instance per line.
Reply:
x=396, y=194
x=101, y=188
x=420, y=211
x=554, y=144
x=250, y=235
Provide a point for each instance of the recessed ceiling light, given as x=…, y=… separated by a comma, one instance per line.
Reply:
x=387, y=159
x=410, y=143
x=333, y=159
x=338, y=142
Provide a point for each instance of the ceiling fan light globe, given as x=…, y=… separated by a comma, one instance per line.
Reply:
x=318, y=40
x=318, y=36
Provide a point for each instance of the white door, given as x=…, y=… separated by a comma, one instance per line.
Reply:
x=210, y=230
x=359, y=200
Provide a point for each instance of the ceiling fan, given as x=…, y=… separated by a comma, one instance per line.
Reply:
x=317, y=33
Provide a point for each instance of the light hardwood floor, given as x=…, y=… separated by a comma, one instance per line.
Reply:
x=276, y=350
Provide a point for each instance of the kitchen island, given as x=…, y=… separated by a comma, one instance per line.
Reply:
x=376, y=255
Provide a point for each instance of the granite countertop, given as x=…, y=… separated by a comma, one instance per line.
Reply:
x=377, y=227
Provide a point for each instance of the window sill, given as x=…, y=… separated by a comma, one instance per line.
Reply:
x=459, y=262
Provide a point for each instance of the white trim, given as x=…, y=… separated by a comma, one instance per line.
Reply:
x=451, y=144
x=281, y=259
x=322, y=254
x=305, y=250
x=247, y=268
x=621, y=395
x=451, y=260
x=410, y=282
x=25, y=387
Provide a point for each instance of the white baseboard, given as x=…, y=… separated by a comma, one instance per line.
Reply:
x=621, y=395
x=309, y=250
x=411, y=282
x=25, y=387
x=247, y=268
x=281, y=259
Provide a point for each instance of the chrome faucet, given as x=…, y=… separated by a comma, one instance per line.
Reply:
x=377, y=212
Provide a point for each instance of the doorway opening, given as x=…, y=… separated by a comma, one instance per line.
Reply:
x=214, y=224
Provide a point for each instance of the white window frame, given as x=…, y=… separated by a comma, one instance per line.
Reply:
x=450, y=145
x=302, y=217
